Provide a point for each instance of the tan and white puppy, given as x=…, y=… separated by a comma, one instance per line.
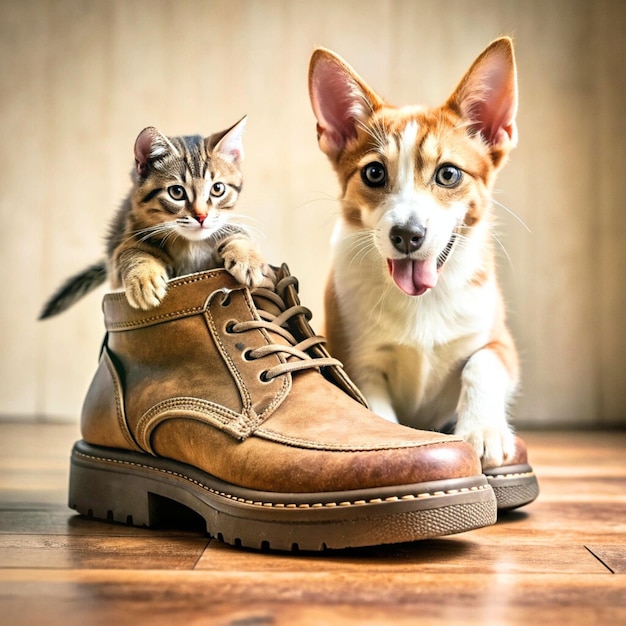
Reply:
x=413, y=307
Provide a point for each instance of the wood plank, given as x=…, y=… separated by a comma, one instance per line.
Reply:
x=560, y=522
x=57, y=519
x=452, y=555
x=100, y=552
x=579, y=487
x=549, y=563
x=613, y=556
x=581, y=452
x=79, y=597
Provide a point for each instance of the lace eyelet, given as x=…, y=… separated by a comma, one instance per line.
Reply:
x=229, y=328
x=246, y=354
x=264, y=378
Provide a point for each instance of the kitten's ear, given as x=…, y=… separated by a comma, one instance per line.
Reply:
x=340, y=99
x=229, y=143
x=151, y=145
x=487, y=95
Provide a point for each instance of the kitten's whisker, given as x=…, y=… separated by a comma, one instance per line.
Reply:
x=246, y=222
x=170, y=234
x=152, y=231
x=248, y=228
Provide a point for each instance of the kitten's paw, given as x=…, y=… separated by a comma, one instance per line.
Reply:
x=145, y=288
x=494, y=445
x=269, y=277
x=246, y=265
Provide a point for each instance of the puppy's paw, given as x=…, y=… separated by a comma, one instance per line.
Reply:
x=145, y=285
x=493, y=445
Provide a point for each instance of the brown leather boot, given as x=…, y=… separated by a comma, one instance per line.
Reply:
x=515, y=483
x=225, y=401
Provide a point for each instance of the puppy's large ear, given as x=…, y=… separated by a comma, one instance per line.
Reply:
x=340, y=99
x=487, y=96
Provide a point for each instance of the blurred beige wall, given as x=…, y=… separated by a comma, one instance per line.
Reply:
x=80, y=79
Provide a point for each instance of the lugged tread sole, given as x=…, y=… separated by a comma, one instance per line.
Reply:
x=135, y=488
x=514, y=486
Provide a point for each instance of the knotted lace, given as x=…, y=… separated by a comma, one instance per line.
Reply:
x=296, y=352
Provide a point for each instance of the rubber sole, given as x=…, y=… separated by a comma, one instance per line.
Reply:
x=137, y=489
x=513, y=486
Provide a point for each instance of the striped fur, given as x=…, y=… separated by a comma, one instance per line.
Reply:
x=413, y=307
x=176, y=220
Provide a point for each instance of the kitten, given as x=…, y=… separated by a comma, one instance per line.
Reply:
x=176, y=220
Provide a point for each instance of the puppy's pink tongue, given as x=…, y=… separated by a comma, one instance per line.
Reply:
x=413, y=277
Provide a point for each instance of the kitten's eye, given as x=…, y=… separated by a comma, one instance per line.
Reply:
x=374, y=174
x=448, y=176
x=218, y=190
x=177, y=192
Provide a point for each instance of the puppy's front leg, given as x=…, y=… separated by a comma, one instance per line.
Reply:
x=486, y=387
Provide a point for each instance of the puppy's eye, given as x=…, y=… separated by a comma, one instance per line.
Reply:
x=177, y=192
x=448, y=176
x=374, y=174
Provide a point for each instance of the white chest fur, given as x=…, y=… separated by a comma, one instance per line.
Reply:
x=411, y=349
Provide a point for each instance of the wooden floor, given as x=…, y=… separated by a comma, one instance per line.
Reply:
x=561, y=560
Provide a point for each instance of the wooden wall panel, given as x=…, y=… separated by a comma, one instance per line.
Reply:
x=609, y=212
x=80, y=78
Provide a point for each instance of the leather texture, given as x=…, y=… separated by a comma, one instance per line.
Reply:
x=237, y=384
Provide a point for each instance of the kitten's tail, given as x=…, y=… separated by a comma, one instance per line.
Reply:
x=74, y=289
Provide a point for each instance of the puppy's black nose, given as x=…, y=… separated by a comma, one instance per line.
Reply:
x=407, y=238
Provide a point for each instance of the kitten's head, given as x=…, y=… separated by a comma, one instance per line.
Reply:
x=187, y=185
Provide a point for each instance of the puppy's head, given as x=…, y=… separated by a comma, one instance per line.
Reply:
x=417, y=178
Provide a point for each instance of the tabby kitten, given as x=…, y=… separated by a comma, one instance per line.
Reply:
x=176, y=220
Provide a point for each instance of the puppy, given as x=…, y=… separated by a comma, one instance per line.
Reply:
x=413, y=307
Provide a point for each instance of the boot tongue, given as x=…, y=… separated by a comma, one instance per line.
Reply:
x=413, y=277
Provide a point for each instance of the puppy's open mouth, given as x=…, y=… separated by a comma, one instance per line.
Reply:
x=416, y=277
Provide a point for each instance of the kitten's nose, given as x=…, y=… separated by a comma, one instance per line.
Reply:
x=408, y=237
x=201, y=217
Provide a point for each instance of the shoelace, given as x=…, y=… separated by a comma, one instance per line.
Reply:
x=296, y=351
